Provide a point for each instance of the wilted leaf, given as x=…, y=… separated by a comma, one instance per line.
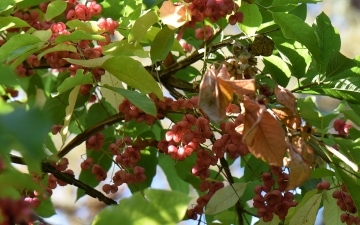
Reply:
x=174, y=15
x=262, y=45
x=215, y=95
x=225, y=198
x=300, y=170
x=263, y=134
x=243, y=87
x=287, y=117
x=286, y=98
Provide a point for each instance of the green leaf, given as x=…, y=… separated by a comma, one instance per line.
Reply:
x=132, y=73
x=15, y=179
x=253, y=167
x=328, y=39
x=120, y=48
x=15, y=128
x=227, y=217
x=286, y=2
x=113, y=98
x=352, y=115
x=306, y=215
x=344, y=89
x=278, y=69
x=294, y=54
x=7, y=4
x=351, y=181
x=17, y=42
x=305, y=199
x=28, y=4
x=168, y=166
x=225, y=198
x=21, y=51
x=140, y=100
x=332, y=212
x=54, y=9
x=43, y=35
x=77, y=36
x=338, y=64
x=8, y=22
x=141, y=26
x=321, y=172
x=312, y=114
x=296, y=29
x=91, y=63
x=162, y=44
x=252, y=18
x=74, y=81
x=275, y=221
x=46, y=208
x=69, y=112
x=86, y=26
x=156, y=207
x=350, y=148
x=58, y=48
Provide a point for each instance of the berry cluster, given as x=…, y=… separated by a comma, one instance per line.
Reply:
x=62, y=166
x=16, y=211
x=341, y=127
x=203, y=200
x=346, y=204
x=95, y=142
x=214, y=10
x=231, y=141
x=270, y=200
x=83, y=12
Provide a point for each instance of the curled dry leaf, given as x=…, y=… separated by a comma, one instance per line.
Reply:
x=286, y=98
x=243, y=87
x=287, y=117
x=262, y=133
x=215, y=95
x=300, y=170
x=174, y=15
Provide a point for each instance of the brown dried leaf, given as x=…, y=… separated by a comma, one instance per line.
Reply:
x=286, y=98
x=300, y=170
x=300, y=147
x=174, y=15
x=263, y=134
x=215, y=95
x=288, y=118
x=243, y=87
x=262, y=45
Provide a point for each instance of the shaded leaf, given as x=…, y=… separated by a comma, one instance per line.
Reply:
x=132, y=73
x=328, y=38
x=321, y=172
x=157, y=207
x=174, y=15
x=57, y=48
x=225, y=198
x=140, y=100
x=77, y=36
x=118, y=48
x=74, y=81
x=338, y=63
x=263, y=134
x=161, y=45
x=332, y=212
x=278, y=69
x=17, y=42
x=306, y=215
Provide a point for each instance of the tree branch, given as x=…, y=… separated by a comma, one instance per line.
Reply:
x=70, y=179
